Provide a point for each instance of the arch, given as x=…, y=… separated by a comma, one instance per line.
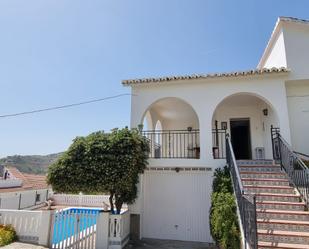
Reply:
x=158, y=126
x=247, y=117
x=172, y=106
x=147, y=122
x=268, y=102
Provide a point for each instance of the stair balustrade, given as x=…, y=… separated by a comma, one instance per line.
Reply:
x=246, y=203
x=291, y=163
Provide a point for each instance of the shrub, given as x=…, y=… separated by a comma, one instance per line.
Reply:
x=222, y=181
x=7, y=234
x=223, y=218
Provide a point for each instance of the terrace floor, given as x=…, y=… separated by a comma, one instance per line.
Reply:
x=167, y=244
x=18, y=245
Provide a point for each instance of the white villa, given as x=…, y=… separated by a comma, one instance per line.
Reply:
x=186, y=119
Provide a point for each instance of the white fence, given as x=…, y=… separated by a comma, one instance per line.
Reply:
x=63, y=229
x=119, y=230
x=71, y=228
x=30, y=226
x=74, y=229
x=24, y=200
x=81, y=200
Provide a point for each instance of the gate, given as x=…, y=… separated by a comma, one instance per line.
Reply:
x=74, y=228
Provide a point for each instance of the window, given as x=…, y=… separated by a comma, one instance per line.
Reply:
x=38, y=197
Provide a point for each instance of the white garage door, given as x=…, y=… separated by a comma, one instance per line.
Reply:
x=176, y=205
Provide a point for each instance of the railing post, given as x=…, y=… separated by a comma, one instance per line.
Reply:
x=102, y=239
x=19, y=201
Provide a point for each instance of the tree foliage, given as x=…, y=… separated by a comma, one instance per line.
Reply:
x=102, y=163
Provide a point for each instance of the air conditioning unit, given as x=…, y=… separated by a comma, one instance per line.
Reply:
x=259, y=153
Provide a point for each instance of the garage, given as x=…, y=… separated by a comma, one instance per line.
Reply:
x=176, y=205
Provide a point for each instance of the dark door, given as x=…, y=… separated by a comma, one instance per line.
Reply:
x=240, y=137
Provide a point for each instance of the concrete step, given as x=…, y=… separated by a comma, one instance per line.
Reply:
x=283, y=236
x=275, y=245
x=265, y=181
x=266, y=175
x=256, y=162
x=283, y=225
x=260, y=168
x=269, y=189
x=296, y=206
x=282, y=215
x=277, y=197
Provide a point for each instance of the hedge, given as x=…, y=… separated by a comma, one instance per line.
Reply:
x=223, y=215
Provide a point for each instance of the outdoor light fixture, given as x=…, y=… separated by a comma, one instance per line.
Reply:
x=265, y=112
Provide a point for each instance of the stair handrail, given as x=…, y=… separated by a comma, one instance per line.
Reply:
x=232, y=155
x=283, y=152
x=246, y=203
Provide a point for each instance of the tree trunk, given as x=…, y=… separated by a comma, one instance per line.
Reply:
x=111, y=201
x=118, y=203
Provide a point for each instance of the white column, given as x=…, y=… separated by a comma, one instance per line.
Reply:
x=102, y=231
x=45, y=227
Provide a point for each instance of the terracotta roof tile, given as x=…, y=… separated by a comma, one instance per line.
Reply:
x=204, y=76
x=30, y=181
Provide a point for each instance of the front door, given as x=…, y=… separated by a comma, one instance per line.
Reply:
x=240, y=138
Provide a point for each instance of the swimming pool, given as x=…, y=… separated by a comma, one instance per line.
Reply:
x=74, y=223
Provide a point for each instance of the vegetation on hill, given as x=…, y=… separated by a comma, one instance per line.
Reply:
x=33, y=164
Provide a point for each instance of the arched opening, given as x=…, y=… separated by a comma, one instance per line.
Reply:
x=176, y=129
x=247, y=118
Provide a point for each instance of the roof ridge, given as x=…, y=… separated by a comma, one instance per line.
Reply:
x=250, y=72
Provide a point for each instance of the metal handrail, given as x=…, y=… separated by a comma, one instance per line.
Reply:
x=246, y=203
x=292, y=164
x=235, y=163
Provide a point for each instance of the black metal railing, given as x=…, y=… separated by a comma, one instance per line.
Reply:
x=173, y=143
x=246, y=202
x=218, y=143
x=291, y=163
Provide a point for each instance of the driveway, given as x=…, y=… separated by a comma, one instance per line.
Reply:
x=167, y=244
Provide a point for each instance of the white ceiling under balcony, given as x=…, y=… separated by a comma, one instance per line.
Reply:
x=173, y=109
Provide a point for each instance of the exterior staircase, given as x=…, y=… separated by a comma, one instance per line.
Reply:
x=282, y=217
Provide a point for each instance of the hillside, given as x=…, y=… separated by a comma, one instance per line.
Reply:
x=34, y=164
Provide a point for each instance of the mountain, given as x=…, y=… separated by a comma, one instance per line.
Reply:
x=33, y=164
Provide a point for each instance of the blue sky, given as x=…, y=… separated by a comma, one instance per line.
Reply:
x=56, y=52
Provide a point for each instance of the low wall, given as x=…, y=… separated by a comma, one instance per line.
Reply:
x=24, y=200
x=81, y=200
x=31, y=226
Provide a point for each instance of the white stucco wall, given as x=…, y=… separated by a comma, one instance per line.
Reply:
x=276, y=54
x=204, y=96
x=298, y=104
x=11, y=200
x=259, y=124
x=296, y=37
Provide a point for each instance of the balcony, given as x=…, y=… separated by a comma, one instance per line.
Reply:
x=174, y=143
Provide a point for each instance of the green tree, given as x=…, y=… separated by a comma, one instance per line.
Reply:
x=102, y=163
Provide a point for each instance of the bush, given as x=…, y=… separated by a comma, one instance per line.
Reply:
x=222, y=181
x=7, y=234
x=223, y=215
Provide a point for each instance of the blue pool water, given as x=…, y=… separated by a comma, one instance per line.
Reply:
x=73, y=220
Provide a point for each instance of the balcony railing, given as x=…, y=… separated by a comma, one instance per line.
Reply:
x=218, y=143
x=174, y=143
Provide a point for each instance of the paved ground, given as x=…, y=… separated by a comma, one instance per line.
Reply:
x=144, y=244
x=18, y=245
x=167, y=244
